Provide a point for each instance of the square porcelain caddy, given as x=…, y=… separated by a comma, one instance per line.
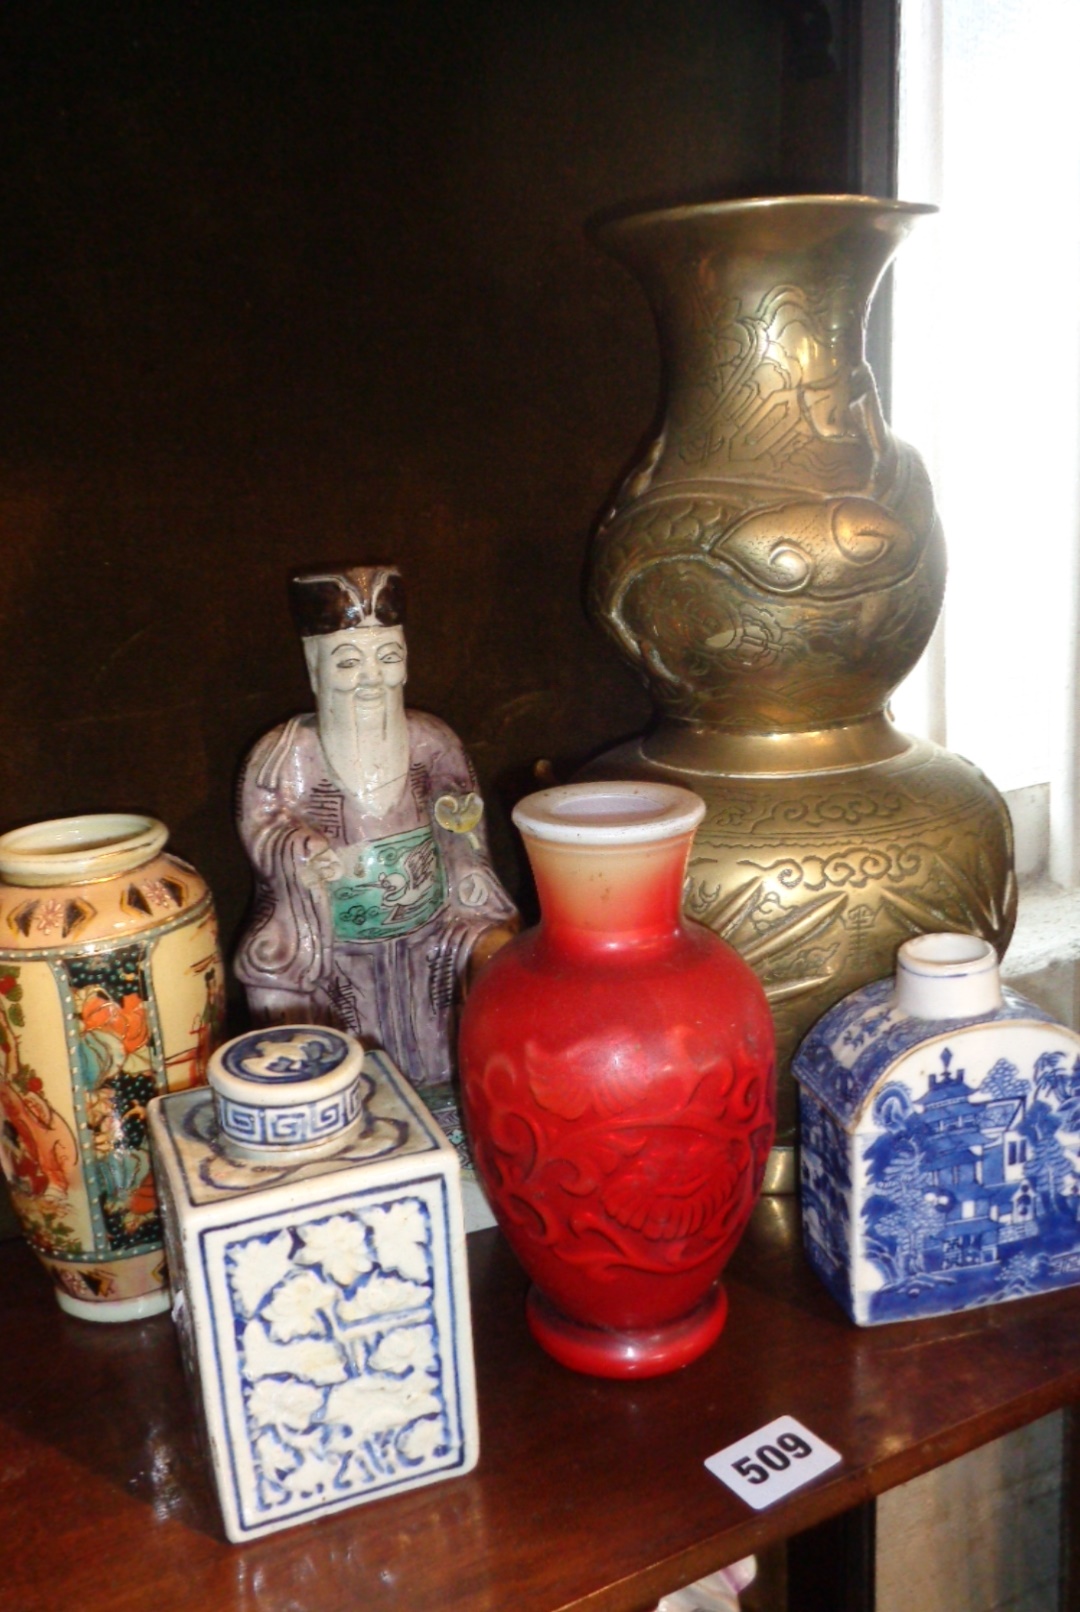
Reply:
x=317, y=1261
x=939, y=1140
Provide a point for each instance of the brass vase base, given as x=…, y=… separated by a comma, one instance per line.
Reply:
x=816, y=876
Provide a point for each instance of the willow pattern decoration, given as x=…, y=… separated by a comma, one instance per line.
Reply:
x=772, y=570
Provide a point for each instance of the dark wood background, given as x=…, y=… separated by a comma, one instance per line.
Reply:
x=305, y=279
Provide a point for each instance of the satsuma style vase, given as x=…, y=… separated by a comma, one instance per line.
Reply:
x=111, y=990
x=618, y=1085
x=772, y=569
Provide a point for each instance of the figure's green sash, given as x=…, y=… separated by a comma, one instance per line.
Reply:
x=392, y=886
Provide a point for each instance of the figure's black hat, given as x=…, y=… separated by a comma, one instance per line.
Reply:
x=330, y=598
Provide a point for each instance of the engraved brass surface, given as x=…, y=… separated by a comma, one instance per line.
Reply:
x=772, y=569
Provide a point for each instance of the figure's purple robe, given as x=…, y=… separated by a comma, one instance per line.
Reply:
x=396, y=992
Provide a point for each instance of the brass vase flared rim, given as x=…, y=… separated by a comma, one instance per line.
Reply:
x=747, y=205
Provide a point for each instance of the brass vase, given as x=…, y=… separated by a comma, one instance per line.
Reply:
x=773, y=568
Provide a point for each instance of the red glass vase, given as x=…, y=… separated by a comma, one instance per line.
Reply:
x=618, y=1084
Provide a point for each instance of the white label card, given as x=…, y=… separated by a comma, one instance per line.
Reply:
x=771, y=1463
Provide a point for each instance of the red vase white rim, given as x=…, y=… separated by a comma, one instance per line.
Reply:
x=631, y=812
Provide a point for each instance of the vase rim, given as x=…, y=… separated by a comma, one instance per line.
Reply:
x=79, y=850
x=739, y=206
x=947, y=975
x=610, y=813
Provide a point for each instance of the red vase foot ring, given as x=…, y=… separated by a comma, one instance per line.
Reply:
x=649, y=1353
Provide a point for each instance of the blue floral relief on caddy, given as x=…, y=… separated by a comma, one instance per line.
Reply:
x=940, y=1140
x=319, y=1282
x=346, y=1385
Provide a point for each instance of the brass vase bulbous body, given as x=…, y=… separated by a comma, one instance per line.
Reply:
x=772, y=569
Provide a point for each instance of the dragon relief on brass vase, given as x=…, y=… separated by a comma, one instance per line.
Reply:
x=776, y=561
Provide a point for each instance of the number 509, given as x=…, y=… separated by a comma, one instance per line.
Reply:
x=771, y=1458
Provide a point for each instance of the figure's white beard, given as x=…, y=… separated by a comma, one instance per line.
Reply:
x=367, y=745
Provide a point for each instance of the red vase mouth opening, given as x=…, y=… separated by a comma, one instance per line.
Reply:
x=609, y=860
x=609, y=813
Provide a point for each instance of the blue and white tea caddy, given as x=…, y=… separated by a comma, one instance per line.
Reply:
x=940, y=1139
x=316, y=1255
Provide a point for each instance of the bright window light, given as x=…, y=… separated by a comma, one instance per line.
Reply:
x=986, y=381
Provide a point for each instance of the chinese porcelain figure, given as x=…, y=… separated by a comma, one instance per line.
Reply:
x=317, y=1264
x=374, y=887
x=940, y=1132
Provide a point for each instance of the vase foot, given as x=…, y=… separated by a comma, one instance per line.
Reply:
x=133, y=1309
x=648, y=1352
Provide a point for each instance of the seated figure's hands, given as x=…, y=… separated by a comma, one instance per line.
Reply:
x=323, y=865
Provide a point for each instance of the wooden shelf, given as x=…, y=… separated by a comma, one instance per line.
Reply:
x=589, y=1494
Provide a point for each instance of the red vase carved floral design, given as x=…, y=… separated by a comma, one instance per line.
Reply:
x=618, y=1081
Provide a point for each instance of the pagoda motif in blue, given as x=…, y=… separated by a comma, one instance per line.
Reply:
x=940, y=1160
